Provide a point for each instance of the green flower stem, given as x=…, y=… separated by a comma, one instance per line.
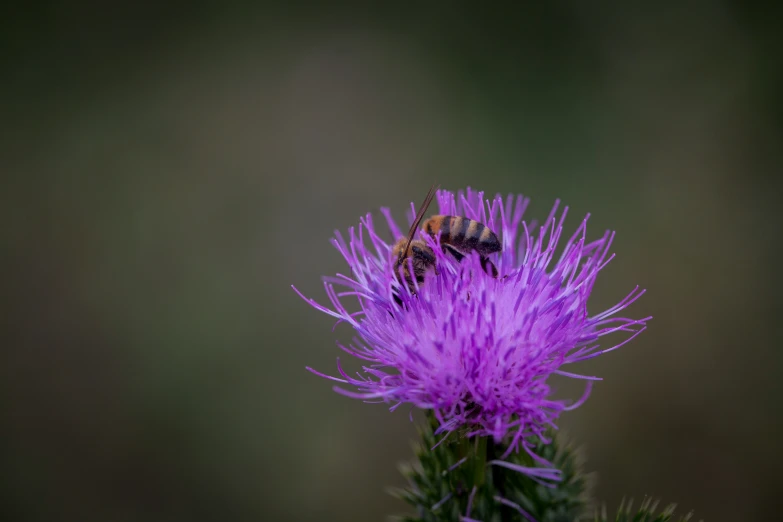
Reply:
x=480, y=461
x=475, y=451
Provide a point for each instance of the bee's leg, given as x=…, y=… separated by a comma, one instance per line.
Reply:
x=489, y=267
x=459, y=256
x=407, y=281
x=398, y=299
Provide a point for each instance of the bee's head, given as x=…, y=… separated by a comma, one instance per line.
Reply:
x=417, y=249
x=421, y=252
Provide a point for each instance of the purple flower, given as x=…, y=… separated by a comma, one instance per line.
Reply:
x=476, y=350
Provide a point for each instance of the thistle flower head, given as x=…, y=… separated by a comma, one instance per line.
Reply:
x=476, y=350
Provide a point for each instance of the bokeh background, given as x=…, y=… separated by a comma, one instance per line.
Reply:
x=170, y=170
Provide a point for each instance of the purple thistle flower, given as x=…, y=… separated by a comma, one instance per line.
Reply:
x=477, y=351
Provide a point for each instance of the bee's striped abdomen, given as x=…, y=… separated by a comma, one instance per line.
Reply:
x=464, y=234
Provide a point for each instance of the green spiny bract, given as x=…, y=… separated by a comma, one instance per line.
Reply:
x=430, y=481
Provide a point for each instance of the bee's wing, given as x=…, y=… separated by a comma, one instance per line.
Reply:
x=417, y=219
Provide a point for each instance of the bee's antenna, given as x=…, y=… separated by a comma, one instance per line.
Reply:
x=417, y=220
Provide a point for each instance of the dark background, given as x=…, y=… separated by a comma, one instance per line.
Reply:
x=169, y=171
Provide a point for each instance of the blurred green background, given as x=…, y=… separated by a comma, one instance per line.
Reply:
x=169, y=170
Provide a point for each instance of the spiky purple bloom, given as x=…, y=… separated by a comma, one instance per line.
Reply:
x=476, y=350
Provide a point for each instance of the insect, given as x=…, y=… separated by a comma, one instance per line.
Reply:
x=459, y=236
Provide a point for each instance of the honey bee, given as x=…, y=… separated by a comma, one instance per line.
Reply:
x=459, y=236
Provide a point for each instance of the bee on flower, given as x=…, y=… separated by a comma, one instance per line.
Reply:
x=488, y=316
